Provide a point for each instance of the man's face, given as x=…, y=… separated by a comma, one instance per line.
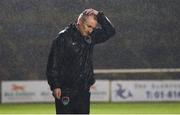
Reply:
x=87, y=26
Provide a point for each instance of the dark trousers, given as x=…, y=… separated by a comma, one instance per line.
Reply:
x=78, y=104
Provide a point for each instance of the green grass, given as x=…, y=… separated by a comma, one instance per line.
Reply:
x=97, y=108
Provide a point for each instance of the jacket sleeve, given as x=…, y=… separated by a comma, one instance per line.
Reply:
x=106, y=31
x=54, y=62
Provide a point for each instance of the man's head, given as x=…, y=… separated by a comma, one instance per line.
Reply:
x=87, y=21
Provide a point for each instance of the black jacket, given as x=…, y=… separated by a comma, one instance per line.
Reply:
x=70, y=62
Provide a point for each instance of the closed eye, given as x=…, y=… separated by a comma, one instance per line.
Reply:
x=91, y=27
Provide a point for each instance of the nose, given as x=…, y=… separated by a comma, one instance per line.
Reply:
x=90, y=30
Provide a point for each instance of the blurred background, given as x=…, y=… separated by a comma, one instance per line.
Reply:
x=147, y=35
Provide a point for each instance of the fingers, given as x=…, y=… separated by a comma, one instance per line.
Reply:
x=57, y=93
x=91, y=11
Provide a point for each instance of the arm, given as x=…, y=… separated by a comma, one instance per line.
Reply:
x=106, y=31
x=53, y=66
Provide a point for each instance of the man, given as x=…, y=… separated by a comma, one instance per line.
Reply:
x=70, y=67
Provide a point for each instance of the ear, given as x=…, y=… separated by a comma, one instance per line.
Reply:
x=79, y=22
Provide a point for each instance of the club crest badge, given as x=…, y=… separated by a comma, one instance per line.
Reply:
x=65, y=100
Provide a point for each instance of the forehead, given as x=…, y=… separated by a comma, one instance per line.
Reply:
x=90, y=20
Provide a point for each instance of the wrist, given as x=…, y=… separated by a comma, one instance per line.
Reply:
x=99, y=16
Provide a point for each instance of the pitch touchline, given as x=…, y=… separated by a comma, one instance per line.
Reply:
x=148, y=70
